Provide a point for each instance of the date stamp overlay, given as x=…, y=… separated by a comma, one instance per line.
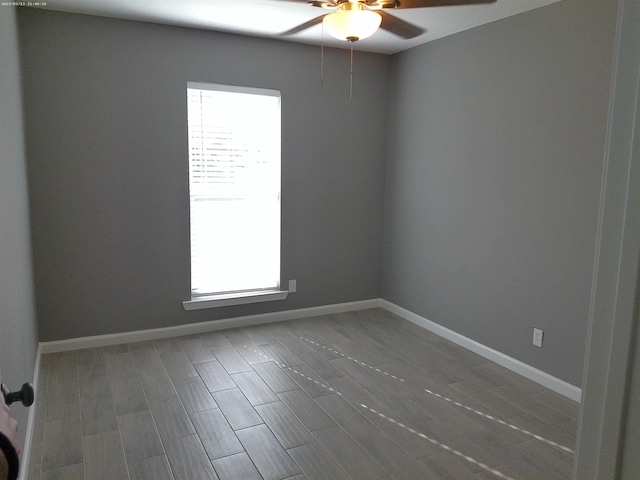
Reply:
x=23, y=4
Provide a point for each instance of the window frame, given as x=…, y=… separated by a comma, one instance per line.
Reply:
x=221, y=299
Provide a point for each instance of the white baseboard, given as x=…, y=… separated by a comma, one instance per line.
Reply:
x=203, y=327
x=527, y=371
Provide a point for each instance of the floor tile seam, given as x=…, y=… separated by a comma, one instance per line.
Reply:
x=42, y=470
x=177, y=394
x=64, y=466
x=400, y=424
x=305, y=364
x=227, y=418
x=285, y=450
x=124, y=453
x=183, y=339
x=282, y=345
x=44, y=428
x=173, y=474
x=327, y=387
x=402, y=356
x=481, y=401
x=371, y=457
x=316, y=382
x=553, y=427
x=562, y=433
x=355, y=360
x=530, y=409
x=151, y=413
x=45, y=382
x=239, y=453
x=516, y=446
x=505, y=423
x=399, y=352
x=84, y=457
x=228, y=454
x=301, y=417
x=257, y=404
x=113, y=403
x=314, y=441
x=382, y=334
x=521, y=444
x=202, y=336
x=235, y=372
x=294, y=416
x=75, y=382
x=447, y=399
x=502, y=422
x=265, y=381
x=569, y=415
x=444, y=446
x=394, y=354
x=328, y=454
x=211, y=460
x=264, y=422
x=152, y=457
x=493, y=418
x=164, y=358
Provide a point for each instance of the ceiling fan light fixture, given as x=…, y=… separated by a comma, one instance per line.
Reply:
x=352, y=24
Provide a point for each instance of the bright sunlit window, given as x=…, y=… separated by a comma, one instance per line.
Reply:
x=234, y=186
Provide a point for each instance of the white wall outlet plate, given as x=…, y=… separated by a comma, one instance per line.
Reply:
x=537, y=337
x=292, y=286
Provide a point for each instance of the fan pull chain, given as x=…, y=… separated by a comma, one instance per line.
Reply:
x=351, y=77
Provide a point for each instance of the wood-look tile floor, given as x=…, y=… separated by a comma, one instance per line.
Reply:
x=360, y=395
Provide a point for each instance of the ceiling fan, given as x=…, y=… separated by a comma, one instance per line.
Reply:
x=355, y=20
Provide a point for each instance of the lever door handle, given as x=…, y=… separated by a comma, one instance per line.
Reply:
x=24, y=395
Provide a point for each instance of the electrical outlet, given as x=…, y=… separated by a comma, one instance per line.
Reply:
x=292, y=286
x=537, y=337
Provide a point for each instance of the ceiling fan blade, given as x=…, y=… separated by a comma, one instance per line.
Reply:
x=304, y=26
x=316, y=3
x=399, y=27
x=321, y=4
x=424, y=3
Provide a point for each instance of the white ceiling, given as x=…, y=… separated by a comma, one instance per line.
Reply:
x=270, y=18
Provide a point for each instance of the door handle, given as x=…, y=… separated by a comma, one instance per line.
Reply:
x=24, y=395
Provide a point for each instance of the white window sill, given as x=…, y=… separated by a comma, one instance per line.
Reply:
x=213, y=301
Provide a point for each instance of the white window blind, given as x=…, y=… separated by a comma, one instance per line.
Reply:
x=234, y=185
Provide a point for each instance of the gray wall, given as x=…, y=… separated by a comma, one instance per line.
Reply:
x=106, y=140
x=495, y=147
x=493, y=164
x=18, y=328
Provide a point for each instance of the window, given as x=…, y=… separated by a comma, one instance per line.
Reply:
x=234, y=189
